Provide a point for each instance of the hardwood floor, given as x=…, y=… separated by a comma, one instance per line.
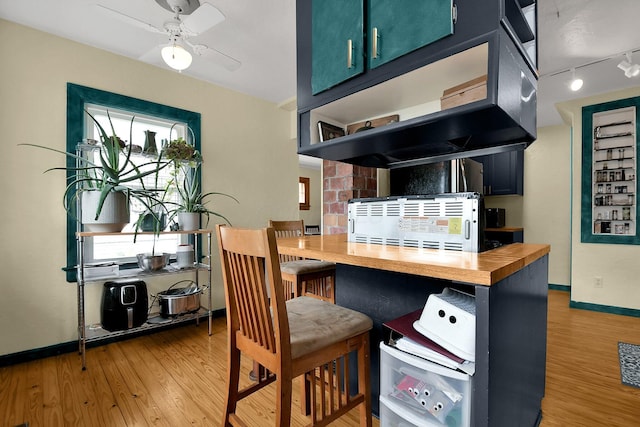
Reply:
x=176, y=378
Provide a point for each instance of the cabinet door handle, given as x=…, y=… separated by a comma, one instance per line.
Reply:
x=374, y=47
x=349, y=53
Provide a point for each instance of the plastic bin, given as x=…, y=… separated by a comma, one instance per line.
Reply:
x=421, y=393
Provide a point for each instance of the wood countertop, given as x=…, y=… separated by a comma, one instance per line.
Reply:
x=485, y=268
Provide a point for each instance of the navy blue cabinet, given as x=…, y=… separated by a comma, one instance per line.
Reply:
x=503, y=173
x=503, y=29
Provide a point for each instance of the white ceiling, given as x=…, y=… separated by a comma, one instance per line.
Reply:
x=261, y=35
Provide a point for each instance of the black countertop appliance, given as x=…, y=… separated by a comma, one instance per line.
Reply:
x=495, y=217
x=124, y=305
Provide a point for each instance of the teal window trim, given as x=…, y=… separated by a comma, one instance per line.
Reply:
x=77, y=97
x=586, y=231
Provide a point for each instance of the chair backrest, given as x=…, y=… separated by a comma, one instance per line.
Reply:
x=256, y=312
x=288, y=229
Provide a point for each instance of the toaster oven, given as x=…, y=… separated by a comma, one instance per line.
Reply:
x=450, y=221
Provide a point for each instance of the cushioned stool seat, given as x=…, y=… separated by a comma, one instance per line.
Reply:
x=305, y=266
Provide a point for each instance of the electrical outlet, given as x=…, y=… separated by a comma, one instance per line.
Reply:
x=598, y=282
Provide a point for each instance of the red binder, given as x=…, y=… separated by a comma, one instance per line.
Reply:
x=404, y=326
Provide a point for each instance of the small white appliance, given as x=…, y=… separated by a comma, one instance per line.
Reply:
x=449, y=319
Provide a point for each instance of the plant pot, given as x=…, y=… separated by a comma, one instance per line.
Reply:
x=189, y=221
x=113, y=217
x=150, y=222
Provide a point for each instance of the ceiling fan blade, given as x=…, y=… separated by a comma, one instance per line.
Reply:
x=130, y=20
x=152, y=56
x=217, y=57
x=202, y=19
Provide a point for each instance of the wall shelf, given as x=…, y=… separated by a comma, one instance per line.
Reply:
x=609, y=179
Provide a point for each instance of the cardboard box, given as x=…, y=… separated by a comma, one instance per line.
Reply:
x=473, y=90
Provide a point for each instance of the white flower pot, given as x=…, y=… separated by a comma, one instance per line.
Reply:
x=113, y=217
x=189, y=221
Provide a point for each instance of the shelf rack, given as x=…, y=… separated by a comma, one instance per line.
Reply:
x=613, y=183
x=90, y=333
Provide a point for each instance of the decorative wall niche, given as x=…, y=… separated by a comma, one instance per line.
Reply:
x=609, y=172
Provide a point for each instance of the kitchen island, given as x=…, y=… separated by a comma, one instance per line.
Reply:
x=510, y=286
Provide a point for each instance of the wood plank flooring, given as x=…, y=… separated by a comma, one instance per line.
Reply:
x=176, y=378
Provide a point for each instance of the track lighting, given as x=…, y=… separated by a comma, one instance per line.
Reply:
x=176, y=56
x=630, y=69
x=576, y=83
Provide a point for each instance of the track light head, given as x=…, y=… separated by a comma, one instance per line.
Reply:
x=576, y=83
x=630, y=69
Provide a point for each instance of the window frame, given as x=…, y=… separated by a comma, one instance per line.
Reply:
x=77, y=97
x=305, y=205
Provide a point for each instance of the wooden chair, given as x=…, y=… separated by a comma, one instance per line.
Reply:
x=307, y=277
x=302, y=336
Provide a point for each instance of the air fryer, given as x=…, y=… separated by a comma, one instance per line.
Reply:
x=124, y=305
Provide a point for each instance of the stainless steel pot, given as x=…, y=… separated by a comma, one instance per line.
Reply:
x=178, y=301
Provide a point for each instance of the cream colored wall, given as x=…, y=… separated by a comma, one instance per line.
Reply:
x=314, y=215
x=512, y=204
x=243, y=138
x=617, y=265
x=546, y=210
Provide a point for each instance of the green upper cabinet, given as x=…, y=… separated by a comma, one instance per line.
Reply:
x=397, y=27
x=337, y=42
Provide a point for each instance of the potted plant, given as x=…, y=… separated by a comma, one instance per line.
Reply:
x=106, y=186
x=191, y=204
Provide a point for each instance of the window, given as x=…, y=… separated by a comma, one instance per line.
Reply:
x=120, y=248
x=303, y=193
x=148, y=116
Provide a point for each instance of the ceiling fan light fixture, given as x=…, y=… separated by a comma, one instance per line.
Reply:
x=176, y=56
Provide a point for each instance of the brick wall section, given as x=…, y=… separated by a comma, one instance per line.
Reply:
x=342, y=182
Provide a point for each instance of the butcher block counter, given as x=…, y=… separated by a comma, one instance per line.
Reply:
x=485, y=268
x=510, y=286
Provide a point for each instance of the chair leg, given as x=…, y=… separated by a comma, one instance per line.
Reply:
x=233, y=382
x=364, y=386
x=283, y=400
x=305, y=389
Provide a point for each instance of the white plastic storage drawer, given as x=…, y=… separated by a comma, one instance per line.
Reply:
x=421, y=393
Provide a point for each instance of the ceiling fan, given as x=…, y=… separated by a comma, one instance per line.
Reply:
x=199, y=18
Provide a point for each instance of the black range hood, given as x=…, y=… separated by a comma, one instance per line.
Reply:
x=472, y=130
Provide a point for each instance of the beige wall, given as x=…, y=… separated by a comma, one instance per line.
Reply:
x=617, y=264
x=546, y=210
x=246, y=145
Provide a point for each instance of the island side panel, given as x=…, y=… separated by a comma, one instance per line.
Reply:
x=511, y=340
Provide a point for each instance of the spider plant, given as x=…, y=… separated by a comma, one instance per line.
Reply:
x=191, y=199
x=113, y=171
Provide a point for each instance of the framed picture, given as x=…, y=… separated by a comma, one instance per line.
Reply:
x=328, y=131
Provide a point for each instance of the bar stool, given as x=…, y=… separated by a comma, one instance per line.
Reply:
x=308, y=277
x=301, y=336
